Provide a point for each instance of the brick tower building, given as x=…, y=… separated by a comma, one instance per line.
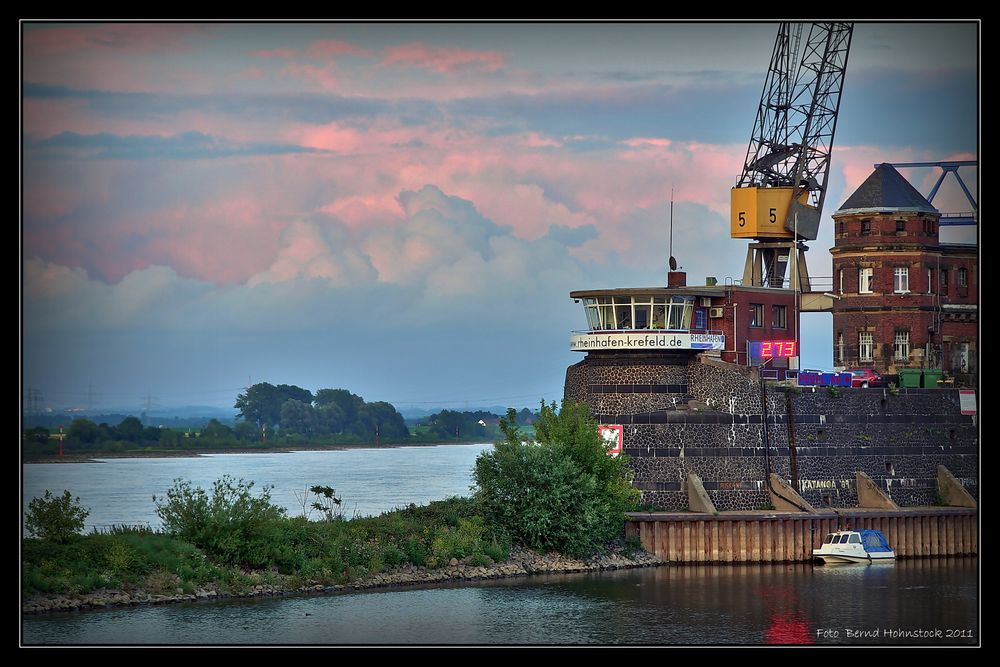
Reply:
x=905, y=299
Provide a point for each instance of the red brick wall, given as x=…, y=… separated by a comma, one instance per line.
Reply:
x=744, y=332
x=883, y=312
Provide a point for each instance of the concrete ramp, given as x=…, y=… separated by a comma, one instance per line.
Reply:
x=698, y=500
x=952, y=491
x=870, y=495
x=785, y=498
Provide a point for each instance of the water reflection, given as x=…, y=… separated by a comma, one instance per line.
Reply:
x=745, y=604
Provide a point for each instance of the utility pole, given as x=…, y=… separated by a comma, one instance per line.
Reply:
x=763, y=425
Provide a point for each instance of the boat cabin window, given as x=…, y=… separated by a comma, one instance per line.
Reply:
x=855, y=538
x=843, y=539
x=829, y=538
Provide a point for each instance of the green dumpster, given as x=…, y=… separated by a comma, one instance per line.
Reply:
x=909, y=377
x=931, y=377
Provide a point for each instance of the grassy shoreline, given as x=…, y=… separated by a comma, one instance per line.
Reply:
x=442, y=542
x=521, y=563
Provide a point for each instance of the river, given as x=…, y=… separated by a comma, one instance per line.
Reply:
x=368, y=481
x=909, y=602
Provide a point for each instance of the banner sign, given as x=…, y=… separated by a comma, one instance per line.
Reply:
x=651, y=340
x=613, y=436
x=967, y=401
x=815, y=379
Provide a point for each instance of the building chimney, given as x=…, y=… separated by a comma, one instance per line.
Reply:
x=677, y=278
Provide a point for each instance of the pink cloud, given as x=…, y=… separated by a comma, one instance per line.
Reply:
x=442, y=58
x=331, y=137
x=323, y=48
x=642, y=142
x=48, y=201
x=326, y=48
x=109, y=37
x=857, y=163
x=361, y=210
x=536, y=140
x=323, y=75
x=225, y=241
x=510, y=182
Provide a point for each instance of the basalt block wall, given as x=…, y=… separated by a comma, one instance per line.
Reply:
x=896, y=439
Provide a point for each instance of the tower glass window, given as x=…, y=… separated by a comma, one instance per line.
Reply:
x=901, y=280
x=866, y=281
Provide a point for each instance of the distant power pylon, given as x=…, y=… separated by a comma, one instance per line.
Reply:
x=149, y=404
x=32, y=399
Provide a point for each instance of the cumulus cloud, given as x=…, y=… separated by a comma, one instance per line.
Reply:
x=311, y=251
x=444, y=249
x=572, y=236
x=459, y=282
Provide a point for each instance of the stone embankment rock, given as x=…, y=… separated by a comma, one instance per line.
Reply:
x=522, y=562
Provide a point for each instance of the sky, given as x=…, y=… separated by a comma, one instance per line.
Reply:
x=401, y=209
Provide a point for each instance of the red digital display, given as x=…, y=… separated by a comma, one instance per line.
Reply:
x=768, y=349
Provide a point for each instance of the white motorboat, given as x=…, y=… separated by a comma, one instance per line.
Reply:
x=855, y=546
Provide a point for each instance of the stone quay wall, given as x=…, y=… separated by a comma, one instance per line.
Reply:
x=688, y=413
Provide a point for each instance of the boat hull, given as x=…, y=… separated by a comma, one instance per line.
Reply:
x=847, y=558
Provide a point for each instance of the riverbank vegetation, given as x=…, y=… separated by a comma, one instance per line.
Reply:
x=559, y=493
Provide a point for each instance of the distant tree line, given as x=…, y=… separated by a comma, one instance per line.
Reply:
x=293, y=412
x=278, y=414
x=84, y=434
x=477, y=425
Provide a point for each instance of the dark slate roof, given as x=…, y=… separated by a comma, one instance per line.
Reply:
x=886, y=189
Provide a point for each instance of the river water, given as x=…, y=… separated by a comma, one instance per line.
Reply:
x=368, y=481
x=909, y=602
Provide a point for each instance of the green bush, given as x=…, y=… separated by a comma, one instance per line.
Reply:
x=498, y=551
x=459, y=542
x=231, y=524
x=55, y=518
x=562, y=492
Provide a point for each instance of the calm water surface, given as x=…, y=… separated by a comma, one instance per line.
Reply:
x=369, y=481
x=799, y=604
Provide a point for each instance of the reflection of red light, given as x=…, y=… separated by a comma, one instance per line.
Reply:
x=788, y=622
x=787, y=629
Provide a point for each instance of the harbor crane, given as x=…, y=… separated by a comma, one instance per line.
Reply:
x=778, y=200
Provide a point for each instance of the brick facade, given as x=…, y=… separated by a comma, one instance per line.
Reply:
x=736, y=321
x=906, y=300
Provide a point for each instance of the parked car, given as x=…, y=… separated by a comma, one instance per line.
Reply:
x=866, y=377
